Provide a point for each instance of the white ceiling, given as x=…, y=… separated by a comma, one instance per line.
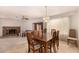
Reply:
x=34, y=11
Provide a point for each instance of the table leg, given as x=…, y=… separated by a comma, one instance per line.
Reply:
x=46, y=48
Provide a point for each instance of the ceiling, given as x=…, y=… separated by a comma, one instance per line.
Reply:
x=34, y=11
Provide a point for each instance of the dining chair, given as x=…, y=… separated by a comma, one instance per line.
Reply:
x=51, y=44
x=57, y=39
x=54, y=41
x=32, y=45
x=72, y=37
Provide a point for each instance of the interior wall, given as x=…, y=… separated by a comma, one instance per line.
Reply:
x=8, y=22
x=24, y=24
x=61, y=24
x=28, y=24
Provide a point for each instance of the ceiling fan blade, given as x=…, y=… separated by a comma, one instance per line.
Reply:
x=24, y=18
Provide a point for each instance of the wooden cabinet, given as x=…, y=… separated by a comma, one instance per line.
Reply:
x=38, y=26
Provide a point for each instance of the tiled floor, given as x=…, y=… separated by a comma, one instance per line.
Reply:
x=13, y=44
x=19, y=45
x=64, y=48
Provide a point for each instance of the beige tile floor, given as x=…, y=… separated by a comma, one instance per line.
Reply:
x=19, y=45
x=13, y=44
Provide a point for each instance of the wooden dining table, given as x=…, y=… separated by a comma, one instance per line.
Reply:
x=44, y=39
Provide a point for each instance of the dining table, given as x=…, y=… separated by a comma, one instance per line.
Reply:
x=44, y=39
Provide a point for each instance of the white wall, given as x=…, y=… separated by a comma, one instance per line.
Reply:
x=9, y=22
x=61, y=24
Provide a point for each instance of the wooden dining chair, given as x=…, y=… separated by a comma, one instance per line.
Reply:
x=32, y=45
x=72, y=37
x=51, y=44
x=54, y=41
x=57, y=39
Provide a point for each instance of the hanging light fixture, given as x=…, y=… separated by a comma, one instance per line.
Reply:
x=46, y=18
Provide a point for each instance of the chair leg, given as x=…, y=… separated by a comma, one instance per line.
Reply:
x=28, y=49
x=76, y=43
x=54, y=48
x=33, y=51
x=50, y=48
x=39, y=50
x=68, y=41
x=57, y=44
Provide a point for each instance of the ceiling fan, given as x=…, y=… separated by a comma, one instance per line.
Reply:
x=24, y=18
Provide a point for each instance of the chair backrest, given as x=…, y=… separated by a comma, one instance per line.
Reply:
x=35, y=33
x=40, y=33
x=53, y=33
x=72, y=33
x=29, y=37
x=57, y=34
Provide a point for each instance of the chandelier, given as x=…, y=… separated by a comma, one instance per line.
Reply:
x=46, y=18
